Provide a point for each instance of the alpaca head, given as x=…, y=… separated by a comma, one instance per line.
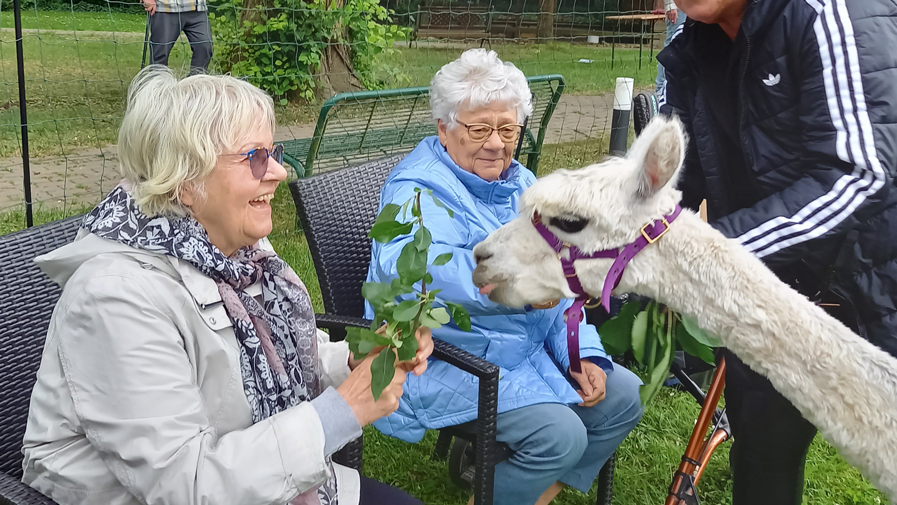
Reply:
x=598, y=207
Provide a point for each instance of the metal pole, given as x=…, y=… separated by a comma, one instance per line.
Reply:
x=145, y=40
x=26, y=166
x=619, y=128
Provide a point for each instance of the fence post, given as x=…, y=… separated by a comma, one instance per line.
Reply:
x=619, y=128
x=26, y=166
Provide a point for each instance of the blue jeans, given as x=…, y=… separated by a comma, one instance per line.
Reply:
x=671, y=29
x=568, y=443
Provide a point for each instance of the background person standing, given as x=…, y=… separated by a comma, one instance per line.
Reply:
x=674, y=20
x=168, y=18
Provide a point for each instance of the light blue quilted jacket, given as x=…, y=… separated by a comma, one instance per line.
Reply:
x=530, y=347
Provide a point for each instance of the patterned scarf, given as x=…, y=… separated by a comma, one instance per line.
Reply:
x=278, y=342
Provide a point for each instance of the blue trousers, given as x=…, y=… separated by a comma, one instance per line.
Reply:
x=671, y=29
x=568, y=443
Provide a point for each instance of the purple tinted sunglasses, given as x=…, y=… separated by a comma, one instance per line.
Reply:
x=258, y=159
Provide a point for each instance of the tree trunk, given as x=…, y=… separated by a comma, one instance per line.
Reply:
x=337, y=75
x=545, y=28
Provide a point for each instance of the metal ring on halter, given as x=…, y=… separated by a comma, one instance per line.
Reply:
x=546, y=305
x=591, y=303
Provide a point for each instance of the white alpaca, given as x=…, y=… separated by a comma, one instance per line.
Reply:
x=843, y=384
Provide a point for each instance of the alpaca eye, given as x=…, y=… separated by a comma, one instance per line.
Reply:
x=569, y=224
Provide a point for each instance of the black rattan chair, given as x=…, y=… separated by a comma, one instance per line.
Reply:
x=336, y=210
x=27, y=299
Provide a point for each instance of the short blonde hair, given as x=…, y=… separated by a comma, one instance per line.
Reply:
x=174, y=130
x=476, y=79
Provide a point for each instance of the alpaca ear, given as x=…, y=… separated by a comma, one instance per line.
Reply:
x=659, y=152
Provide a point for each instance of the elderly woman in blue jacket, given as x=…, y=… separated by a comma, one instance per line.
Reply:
x=561, y=426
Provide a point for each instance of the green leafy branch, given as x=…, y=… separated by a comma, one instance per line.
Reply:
x=402, y=319
x=654, y=335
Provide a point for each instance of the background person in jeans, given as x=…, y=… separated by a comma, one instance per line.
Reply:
x=168, y=18
x=673, y=21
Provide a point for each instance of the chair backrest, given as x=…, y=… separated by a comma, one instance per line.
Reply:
x=337, y=209
x=364, y=126
x=27, y=298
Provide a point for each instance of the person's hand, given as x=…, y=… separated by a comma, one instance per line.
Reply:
x=149, y=6
x=356, y=390
x=672, y=15
x=591, y=381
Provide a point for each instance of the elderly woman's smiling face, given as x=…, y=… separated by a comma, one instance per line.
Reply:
x=235, y=209
x=489, y=158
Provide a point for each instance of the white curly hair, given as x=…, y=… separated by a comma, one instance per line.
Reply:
x=478, y=78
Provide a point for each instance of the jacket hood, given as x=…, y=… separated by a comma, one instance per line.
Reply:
x=60, y=264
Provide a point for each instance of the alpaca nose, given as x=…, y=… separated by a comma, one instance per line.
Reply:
x=480, y=255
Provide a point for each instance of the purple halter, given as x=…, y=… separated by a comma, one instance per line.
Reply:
x=651, y=233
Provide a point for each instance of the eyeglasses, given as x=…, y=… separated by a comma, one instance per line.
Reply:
x=258, y=159
x=480, y=132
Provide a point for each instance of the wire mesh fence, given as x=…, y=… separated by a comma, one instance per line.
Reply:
x=80, y=57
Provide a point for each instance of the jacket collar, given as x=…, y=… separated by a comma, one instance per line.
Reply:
x=499, y=191
x=693, y=41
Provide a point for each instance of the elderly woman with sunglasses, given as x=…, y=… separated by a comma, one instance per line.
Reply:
x=561, y=426
x=182, y=364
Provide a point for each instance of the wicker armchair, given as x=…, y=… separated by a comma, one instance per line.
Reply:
x=27, y=299
x=336, y=210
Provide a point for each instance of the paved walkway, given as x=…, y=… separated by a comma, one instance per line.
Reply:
x=84, y=175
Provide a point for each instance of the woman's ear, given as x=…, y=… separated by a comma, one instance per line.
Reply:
x=442, y=130
x=188, y=195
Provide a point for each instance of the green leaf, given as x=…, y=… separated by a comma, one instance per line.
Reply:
x=364, y=348
x=439, y=314
x=383, y=369
x=616, y=333
x=440, y=204
x=639, y=334
x=398, y=287
x=652, y=346
x=386, y=231
x=388, y=213
x=405, y=208
x=412, y=264
x=459, y=315
x=657, y=376
x=407, y=310
x=695, y=331
x=442, y=259
x=378, y=293
x=362, y=340
x=692, y=346
x=408, y=349
x=428, y=279
x=422, y=239
x=429, y=322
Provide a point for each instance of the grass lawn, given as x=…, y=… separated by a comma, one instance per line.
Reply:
x=597, y=77
x=77, y=21
x=646, y=459
x=76, y=81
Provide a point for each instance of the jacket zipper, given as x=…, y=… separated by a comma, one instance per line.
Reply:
x=747, y=57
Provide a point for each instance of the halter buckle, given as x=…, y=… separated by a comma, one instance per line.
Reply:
x=655, y=239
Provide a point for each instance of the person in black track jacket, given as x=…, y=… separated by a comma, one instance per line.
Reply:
x=791, y=111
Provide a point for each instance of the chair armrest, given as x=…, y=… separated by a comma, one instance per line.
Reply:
x=14, y=492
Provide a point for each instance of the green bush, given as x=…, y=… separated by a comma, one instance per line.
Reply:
x=280, y=45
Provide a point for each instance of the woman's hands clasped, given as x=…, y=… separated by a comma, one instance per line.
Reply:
x=356, y=390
